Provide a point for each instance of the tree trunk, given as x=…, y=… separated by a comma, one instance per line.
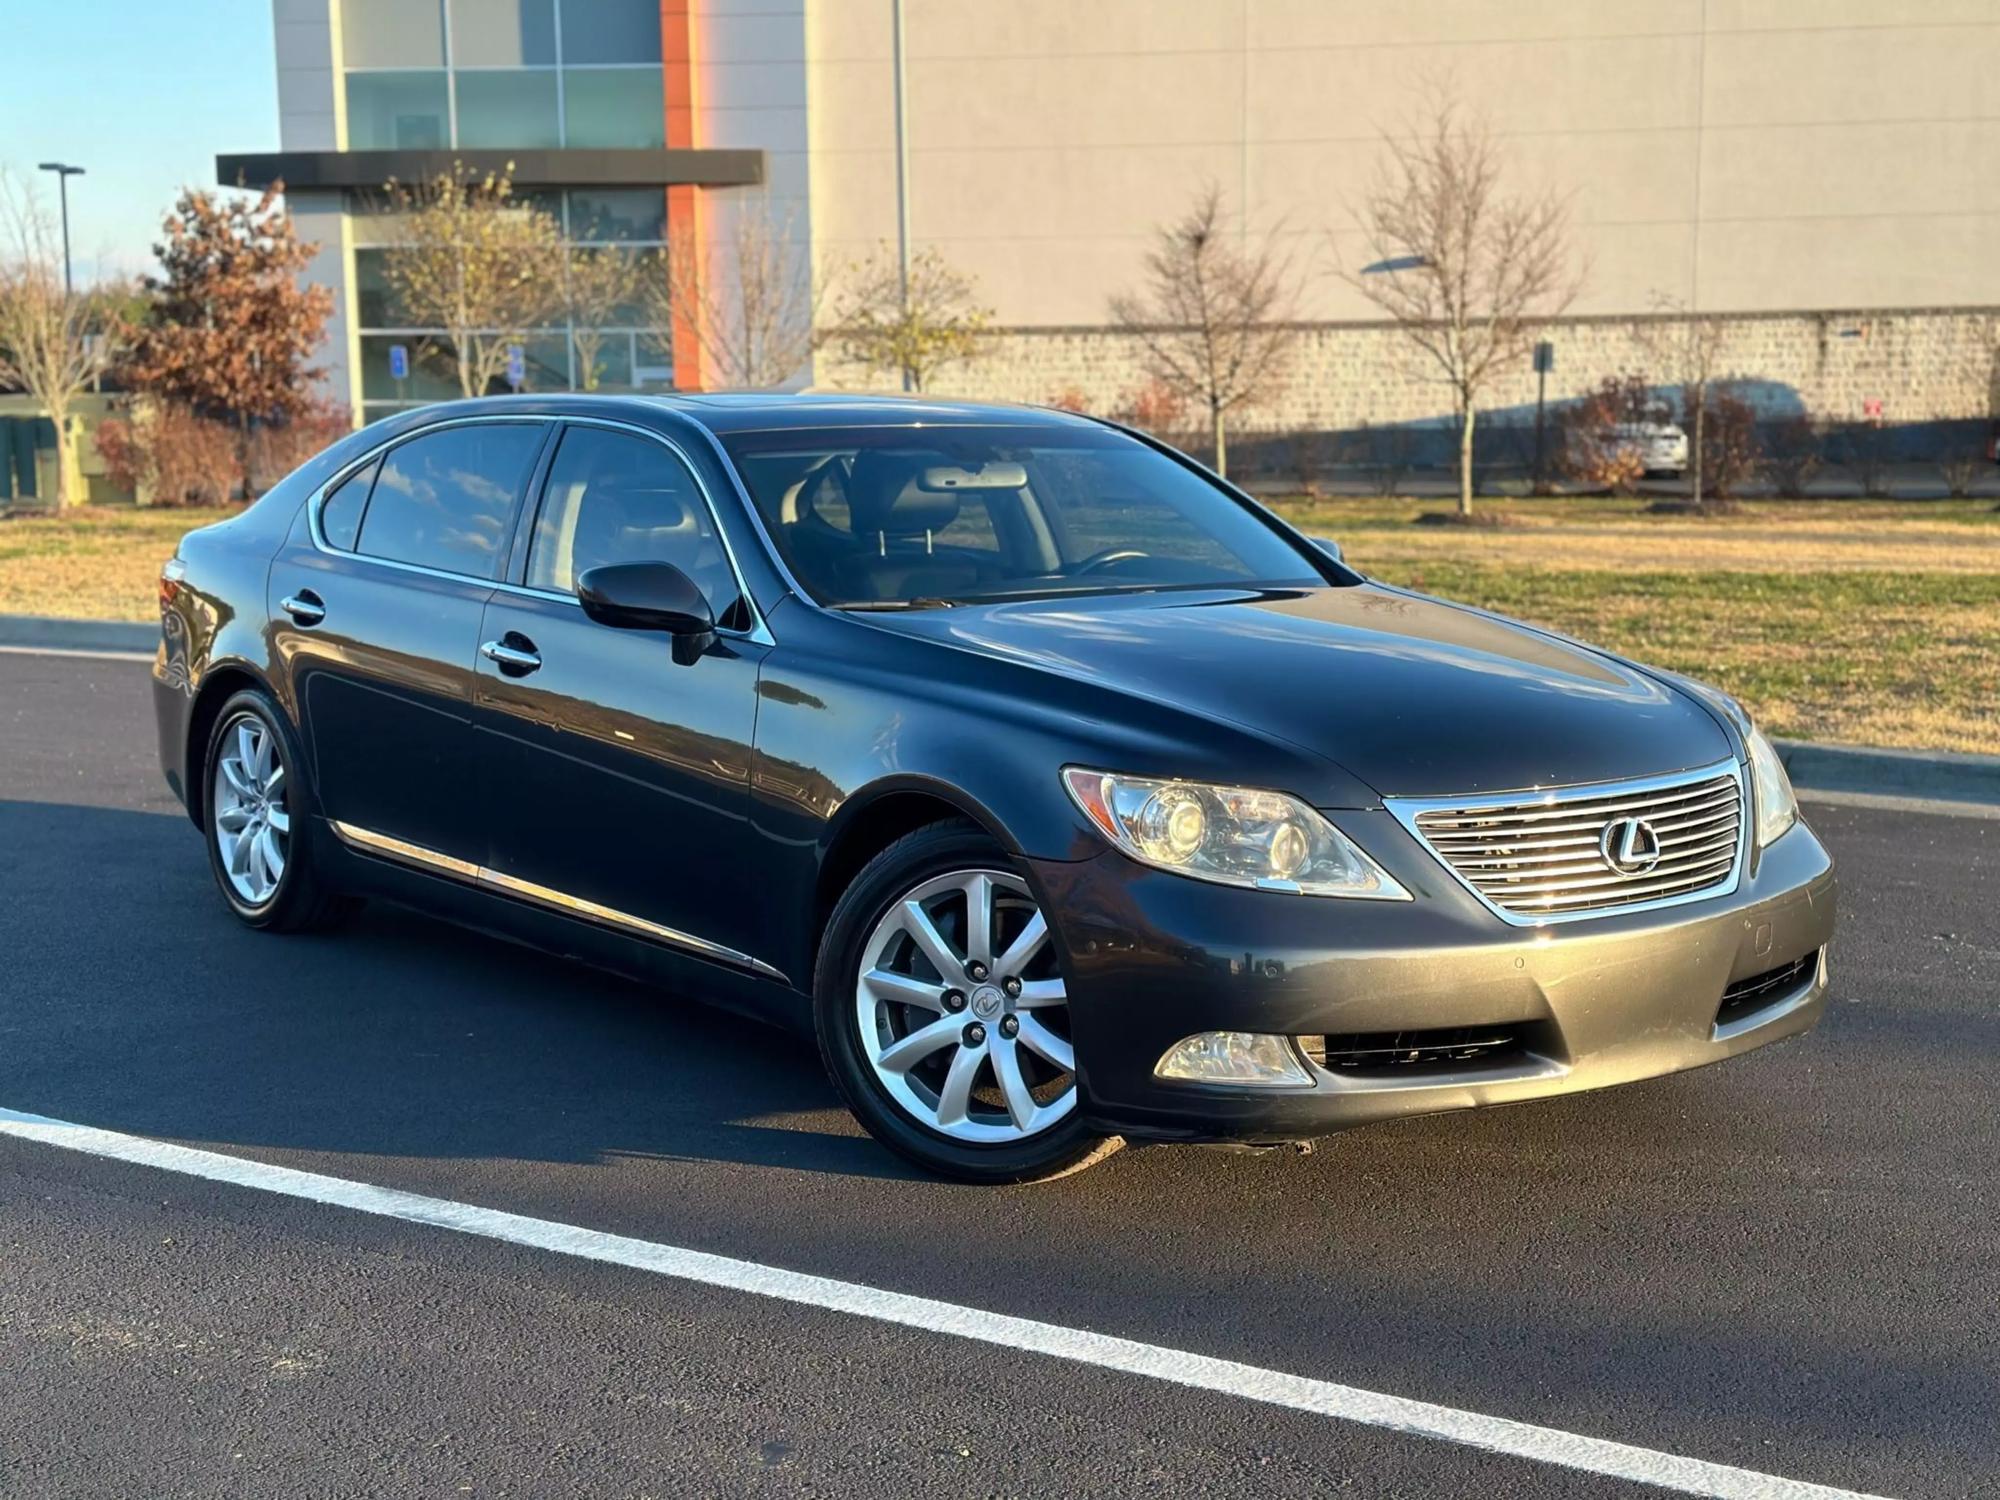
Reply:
x=1221, y=444
x=1694, y=457
x=64, y=499
x=1465, y=460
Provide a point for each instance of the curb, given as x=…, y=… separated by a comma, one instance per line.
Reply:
x=55, y=634
x=1934, y=775
x=1931, y=775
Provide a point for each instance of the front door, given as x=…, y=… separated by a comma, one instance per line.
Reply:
x=617, y=779
x=375, y=618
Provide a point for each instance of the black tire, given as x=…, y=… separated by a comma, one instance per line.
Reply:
x=302, y=900
x=1068, y=1146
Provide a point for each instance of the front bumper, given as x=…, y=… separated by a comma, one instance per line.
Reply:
x=1151, y=957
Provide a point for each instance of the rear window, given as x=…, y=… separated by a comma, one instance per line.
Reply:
x=444, y=500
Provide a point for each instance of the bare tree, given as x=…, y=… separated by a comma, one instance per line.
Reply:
x=53, y=342
x=471, y=258
x=600, y=288
x=1686, y=348
x=1215, y=320
x=1468, y=271
x=747, y=299
x=913, y=331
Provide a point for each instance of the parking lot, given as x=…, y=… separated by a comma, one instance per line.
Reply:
x=1786, y=1265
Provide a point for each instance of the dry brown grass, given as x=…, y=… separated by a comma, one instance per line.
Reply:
x=93, y=562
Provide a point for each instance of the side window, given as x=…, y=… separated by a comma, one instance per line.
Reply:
x=340, y=511
x=616, y=498
x=443, y=500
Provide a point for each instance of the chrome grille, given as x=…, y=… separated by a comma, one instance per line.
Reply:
x=1543, y=858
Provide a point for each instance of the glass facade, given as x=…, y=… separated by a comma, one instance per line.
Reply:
x=502, y=75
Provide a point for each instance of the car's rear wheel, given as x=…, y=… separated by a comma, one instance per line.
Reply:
x=943, y=1014
x=255, y=821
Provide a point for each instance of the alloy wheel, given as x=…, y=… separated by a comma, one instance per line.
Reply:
x=251, y=822
x=962, y=1010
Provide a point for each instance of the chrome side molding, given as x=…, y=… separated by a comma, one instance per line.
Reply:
x=559, y=901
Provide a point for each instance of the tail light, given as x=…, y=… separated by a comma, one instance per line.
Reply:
x=170, y=581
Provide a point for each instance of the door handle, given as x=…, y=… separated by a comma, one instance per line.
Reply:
x=515, y=661
x=305, y=607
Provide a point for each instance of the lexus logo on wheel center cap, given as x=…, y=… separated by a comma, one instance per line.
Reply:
x=1631, y=846
x=987, y=1002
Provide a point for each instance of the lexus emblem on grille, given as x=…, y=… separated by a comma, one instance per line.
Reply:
x=1629, y=845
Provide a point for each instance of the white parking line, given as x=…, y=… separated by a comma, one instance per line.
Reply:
x=1547, y=1445
x=76, y=651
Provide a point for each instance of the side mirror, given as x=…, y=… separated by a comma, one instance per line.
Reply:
x=649, y=596
x=1327, y=545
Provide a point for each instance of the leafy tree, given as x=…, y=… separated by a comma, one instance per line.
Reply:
x=1469, y=272
x=914, y=330
x=229, y=328
x=599, y=288
x=1687, y=347
x=479, y=263
x=53, y=342
x=1216, y=319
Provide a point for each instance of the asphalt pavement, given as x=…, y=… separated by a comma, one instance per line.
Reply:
x=1786, y=1264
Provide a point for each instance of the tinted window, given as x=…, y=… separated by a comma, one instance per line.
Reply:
x=443, y=500
x=886, y=515
x=615, y=498
x=340, y=511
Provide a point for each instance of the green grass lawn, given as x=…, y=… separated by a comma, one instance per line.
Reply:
x=1861, y=621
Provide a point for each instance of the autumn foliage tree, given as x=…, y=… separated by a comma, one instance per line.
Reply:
x=912, y=330
x=1216, y=318
x=473, y=259
x=229, y=329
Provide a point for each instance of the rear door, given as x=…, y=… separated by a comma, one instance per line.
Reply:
x=375, y=608
x=619, y=778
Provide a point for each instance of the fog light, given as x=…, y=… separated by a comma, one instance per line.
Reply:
x=1241, y=1057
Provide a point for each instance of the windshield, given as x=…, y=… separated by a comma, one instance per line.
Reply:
x=891, y=517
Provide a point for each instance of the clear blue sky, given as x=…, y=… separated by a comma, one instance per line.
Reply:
x=141, y=93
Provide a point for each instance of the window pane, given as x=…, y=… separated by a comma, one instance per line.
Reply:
x=433, y=375
x=614, y=106
x=611, y=31
x=373, y=297
x=617, y=214
x=340, y=512
x=613, y=498
x=611, y=354
x=396, y=111
x=392, y=33
x=502, y=33
x=444, y=500
x=513, y=107
x=655, y=360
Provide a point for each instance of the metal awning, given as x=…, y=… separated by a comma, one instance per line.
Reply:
x=703, y=167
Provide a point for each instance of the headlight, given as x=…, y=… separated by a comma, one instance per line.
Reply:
x=1777, y=805
x=1229, y=834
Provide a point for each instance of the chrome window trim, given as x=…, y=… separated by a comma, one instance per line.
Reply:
x=486, y=878
x=1405, y=810
x=758, y=632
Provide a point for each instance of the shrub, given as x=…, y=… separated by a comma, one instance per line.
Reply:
x=1729, y=449
x=1069, y=398
x=1794, y=449
x=1588, y=452
x=169, y=452
x=278, y=448
x=1158, y=408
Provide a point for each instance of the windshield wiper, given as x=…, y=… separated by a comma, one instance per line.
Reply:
x=922, y=602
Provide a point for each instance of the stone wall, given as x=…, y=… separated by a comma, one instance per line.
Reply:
x=1925, y=367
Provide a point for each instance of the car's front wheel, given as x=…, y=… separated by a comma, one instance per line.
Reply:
x=943, y=1015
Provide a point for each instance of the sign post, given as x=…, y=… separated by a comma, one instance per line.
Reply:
x=1545, y=361
x=517, y=366
x=399, y=367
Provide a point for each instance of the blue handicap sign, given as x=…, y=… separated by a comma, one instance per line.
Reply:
x=399, y=362
x=517, y=366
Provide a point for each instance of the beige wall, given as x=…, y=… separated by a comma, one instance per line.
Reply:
x=1745, y=155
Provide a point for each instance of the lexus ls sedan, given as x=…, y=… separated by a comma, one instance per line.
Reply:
x=1068, y=795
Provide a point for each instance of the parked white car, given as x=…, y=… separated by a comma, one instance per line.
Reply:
x=1662, y=447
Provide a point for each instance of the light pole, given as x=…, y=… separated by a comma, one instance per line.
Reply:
x=902, y=168
x=63, y=173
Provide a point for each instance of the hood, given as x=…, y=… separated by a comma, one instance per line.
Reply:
x=1412, y=696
